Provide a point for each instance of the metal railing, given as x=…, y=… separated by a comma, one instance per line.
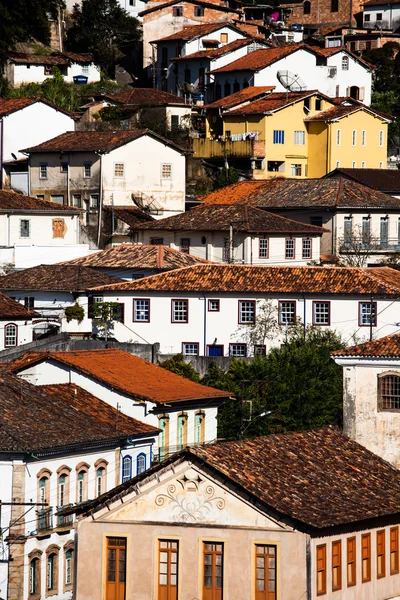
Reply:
x=205, y=148
x=45, y=519
x=64, y=520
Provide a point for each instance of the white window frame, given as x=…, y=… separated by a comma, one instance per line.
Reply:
x=296, y=170
x=238, y=350
x=28, y=221
x=345, y=63
x=87, y=170
x=247, y=312
x=364, y=137
x=190, y=349
x=141, y=308
x=13, y=337
x=299, y=138
x=354, y=137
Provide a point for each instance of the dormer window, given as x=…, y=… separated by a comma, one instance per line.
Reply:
x=389, y=391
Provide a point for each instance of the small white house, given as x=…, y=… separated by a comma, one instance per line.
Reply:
x=51, y=289
x=332, y=71
x=184, y=410
x=27, y=122
x=69, y=450
x=16, y=323
x=24, y=68
x=120, y=168
x=238, y=234
x=34, y=231
x=232, y=310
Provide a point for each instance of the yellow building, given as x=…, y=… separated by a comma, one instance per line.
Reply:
x=295, y=134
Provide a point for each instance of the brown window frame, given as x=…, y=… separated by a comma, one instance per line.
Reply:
x=381, y=554
x=394, y=550
x=367, y=558
x=321, y=548
x=351, y=562
x=168, y=591
x=213, y=592
x=263, y=563
x=391, y=397
x=337, y=564
x=116, y=592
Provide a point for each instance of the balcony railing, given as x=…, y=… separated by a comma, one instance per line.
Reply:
x=204, y=148
x=352, y=245
x=45, y=519
x=64, y=520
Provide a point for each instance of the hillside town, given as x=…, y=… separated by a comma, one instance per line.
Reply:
x=199, y=300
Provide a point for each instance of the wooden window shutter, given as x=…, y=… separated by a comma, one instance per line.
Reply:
x=336, y=566
x=366, y=557
x=361, y=94
x=351, y=562
x=394, y=550
x=116, y=569
x=321, y=569
x=380, y=554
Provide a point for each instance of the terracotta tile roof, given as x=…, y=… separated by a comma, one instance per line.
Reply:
x=147, y=97
x=221, y=278
x=259, y=59
x=209, y=4
x=386, y=347
x=272, y=102
x=97, y=141
x=126, y=373
x=384, y=180
x=214, y=53
x=190, y=32
x=318, y=479
x=11, y=105
x=59, y=277
x=39, y=418
x=12, y=201
x=281, y=194
x=131, y=215
x=139, y=256
x=345, y=109
x=219, y=217
x=244, y=95
x=10, y=309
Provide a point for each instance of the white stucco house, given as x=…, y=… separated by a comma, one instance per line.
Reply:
x=68, y=451
x=381, y=16
x=51, y=289
x=236, y=234
x=34, y=231
x=120, y=168
x=332, y=71
x=26, y=122
x=16, y=323
x=23, y=68
x=235, y=310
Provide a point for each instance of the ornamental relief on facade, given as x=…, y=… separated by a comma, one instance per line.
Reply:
x=192, y=499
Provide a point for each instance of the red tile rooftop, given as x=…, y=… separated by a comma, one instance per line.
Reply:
x=386, y=347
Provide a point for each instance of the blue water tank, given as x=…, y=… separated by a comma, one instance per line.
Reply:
x=80, y=79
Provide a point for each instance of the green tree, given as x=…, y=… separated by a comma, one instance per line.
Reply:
x=227, y=177
x=105, y=314
x=177, y=365
x=386, y=67
x=104, y=28
x=299, y=383
x=23, y=20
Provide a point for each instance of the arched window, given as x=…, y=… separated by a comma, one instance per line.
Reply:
x=34, y=573
x=82, y=470
x=163, y=438
x=187, y=75
x=100, y=477
x=140, y=463
x=43, y=495
x=236, y=86
x=182, y=430
x=62, y=489
x=10, y=335
x=389, y=391
x=126, y=468
x=199, y=427
x=306, y=7
x=345, y=63
x=218, y=91
x=52, y=569
x=227, y=88
x=69, y=567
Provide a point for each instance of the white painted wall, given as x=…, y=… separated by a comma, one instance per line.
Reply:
x=143, y=159
x=245, y=250
x=223, y=325
x=41, y=229
x=32, y=256
x=381, y=16
x=24, y=331
x=303, y=63
x=24, y=74
x=31, y=126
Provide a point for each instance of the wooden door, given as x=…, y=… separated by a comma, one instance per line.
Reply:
x=116, y=568
x=213, y=565
x=167, y=570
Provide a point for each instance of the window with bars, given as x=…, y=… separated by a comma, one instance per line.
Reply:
x=247, y=312
x=336, y=566
x=238, y=350
x=321, y=313
x=351, y=562
x=299, y=138
x=180, y=310
x=367, y=314
x=263, y=248
x=184, y=245
x=265, y=572
x=126, y=468
x=366, y=557
x=10, y=335
x=213, y=565
x=168, y=554
x=394, y=550
x=287, y=312
x=141, y=310
x=278, y=136
x=119, y=170
x=166, y=171
x=290, y=251
x=307, y=248
x=389, y=392
x=190, y=349
x=380, y=554
x=321, y=570
x=116, y=569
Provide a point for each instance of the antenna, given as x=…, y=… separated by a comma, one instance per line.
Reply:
x=291, y=81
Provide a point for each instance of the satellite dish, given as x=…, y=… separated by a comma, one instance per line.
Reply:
x=291, y=81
